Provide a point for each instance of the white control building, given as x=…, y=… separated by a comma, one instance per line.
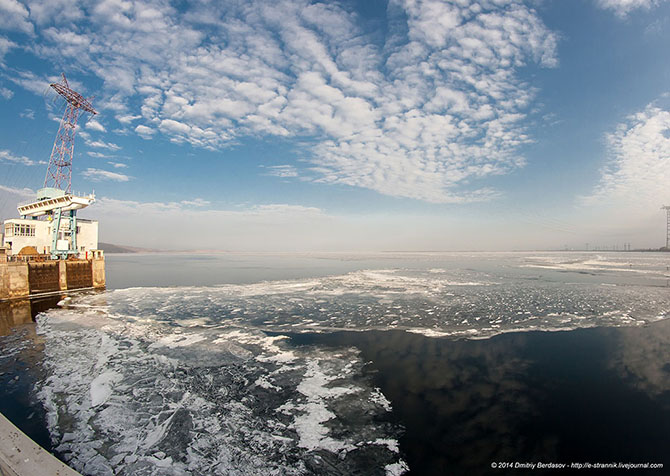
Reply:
x=22, y=232
x=54, y=209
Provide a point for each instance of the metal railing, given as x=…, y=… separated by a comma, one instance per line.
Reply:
x=83, y=255
x=70, y=194
x=27, y=258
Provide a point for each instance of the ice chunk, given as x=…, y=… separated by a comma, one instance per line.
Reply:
x=101, y=387
x=396, y=469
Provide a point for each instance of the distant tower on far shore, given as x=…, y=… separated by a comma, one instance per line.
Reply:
x=667, y=226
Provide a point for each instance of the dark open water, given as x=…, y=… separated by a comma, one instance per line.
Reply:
x=349, y=364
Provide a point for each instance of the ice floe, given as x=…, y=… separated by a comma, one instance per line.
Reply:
x=208, y=380
x=128, y=397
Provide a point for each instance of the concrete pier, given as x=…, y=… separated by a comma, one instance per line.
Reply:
x=21, y=456
x=20, y=279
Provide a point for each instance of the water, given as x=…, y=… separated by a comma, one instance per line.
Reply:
x=353, y=364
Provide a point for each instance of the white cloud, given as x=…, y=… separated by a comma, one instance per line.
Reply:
x=5, y=46
x=57, y=11
x=102, y=145
x=33, y=83
x=623, y=7
x=7, y=156
x=283, y=209
x=94, y=125
x=196, y=202
x=6, y=93
x=14, y=16
x=10, y=196
x=118, y=165
x=97, y=175
x=127, y=118
x=145, y=132
x=639, y=168
x=425, y=114
x=21, y=192
x=193, y=211
x=284, y=171
x=268, y=210
x=27, y=114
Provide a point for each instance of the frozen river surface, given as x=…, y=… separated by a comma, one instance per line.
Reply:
x=237, y=374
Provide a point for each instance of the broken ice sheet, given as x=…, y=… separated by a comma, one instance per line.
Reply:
x=131, y=396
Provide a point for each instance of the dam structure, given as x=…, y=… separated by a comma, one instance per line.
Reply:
x=48, y=249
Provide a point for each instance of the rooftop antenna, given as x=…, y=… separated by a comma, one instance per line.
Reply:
x=667, y=226
x=59, y=172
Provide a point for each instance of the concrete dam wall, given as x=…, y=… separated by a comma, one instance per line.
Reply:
x=20, y=279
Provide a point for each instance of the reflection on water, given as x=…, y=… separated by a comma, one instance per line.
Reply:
x=596, y=395
x=13, y=314
x=643, y=359
x=21, y=365
x=567, y=397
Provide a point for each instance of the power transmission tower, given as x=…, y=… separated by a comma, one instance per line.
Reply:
x=667, y=226
x=59, y=172
x=55, y=200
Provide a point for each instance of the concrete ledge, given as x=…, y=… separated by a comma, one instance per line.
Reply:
x=50, y=293
x=21, y=456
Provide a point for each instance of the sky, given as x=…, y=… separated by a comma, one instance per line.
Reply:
x=296, y=125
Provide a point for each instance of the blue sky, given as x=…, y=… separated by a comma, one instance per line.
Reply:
x=298, y=125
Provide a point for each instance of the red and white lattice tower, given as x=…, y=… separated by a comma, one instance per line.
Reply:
x=59, y=172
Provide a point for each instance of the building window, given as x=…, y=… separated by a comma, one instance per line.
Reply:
x=24, y=230
x=9, y=229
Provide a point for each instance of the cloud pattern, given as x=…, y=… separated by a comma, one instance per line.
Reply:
x=640, y=166
x=98, y=174
x=422, y=109
x=623, y=7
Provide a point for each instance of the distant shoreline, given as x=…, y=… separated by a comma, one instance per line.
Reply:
x=124, y=249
